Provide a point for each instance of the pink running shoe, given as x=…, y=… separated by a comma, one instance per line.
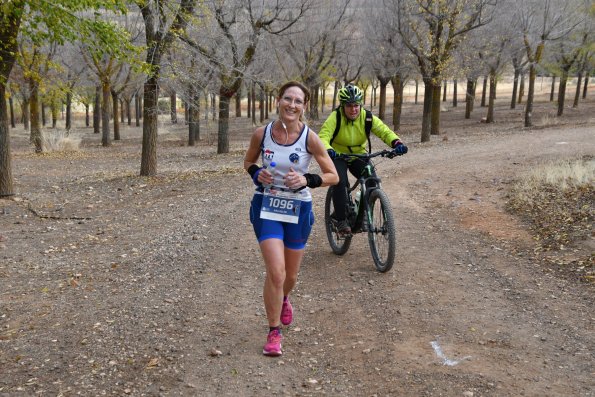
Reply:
x=273, y=346
x=286, y=312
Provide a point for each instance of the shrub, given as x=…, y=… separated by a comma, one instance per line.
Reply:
x=558, y=201
x=59, y=141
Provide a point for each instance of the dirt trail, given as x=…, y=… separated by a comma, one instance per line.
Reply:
x=458, y=284
x=158, y=290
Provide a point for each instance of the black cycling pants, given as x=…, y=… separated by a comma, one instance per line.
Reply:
x=356, y=167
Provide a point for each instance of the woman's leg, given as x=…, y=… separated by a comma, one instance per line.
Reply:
x=293, y=260
x=274, y=260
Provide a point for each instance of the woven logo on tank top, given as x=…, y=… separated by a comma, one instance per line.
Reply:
x=294, y=158
x=268, y=154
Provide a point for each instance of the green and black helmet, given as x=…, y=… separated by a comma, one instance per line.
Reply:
x=350, y=94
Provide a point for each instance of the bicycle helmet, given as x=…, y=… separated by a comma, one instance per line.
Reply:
x=350, y=94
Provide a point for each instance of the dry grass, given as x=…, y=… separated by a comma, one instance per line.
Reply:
x=60, y=141
x=558, y=200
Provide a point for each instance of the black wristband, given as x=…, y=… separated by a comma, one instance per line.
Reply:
x=252, y=170
x=313, y=180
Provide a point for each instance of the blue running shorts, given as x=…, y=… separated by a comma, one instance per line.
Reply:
x=294, y=236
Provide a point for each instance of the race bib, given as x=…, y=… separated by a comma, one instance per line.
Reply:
x=281, y=206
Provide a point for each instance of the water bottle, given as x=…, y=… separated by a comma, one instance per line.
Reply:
x=271, y=169
x=357, y=197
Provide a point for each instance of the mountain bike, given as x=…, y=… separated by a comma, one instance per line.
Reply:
x=368, y=210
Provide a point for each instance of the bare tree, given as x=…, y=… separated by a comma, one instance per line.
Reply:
x=541, y=21
x=35, y=63
x=497, y=40
x=236, y=28
x=432, y=30
x=317, y=46
x=519, y=64
x=388, y=57
x=164, y=21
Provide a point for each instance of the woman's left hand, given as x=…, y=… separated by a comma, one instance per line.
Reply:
x=294, y=180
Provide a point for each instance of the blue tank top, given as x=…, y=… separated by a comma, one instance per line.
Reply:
x=295, y=155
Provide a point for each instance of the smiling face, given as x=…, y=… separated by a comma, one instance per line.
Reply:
x=352, y=110
x=291, y=103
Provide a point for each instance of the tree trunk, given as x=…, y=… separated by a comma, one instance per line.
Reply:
x=426, y=121
x=87, y=118
x=490, y=115
x=266, y=105
x=484, y=91
x=253, y=95
x=397, y=83
x=137, y=109
x=335, y=91
x=173, y=107
x=521, y=88
x=455, y=84
x=577, y=92
x=9, y=29
x=435, y=130
x=238, y=97
x=194, y=117
x=213, y=102
x=382, y=103
x=314, y=99
x=115, y=110
x=585, y=86
x=261, y=104
x=128, y=110
x=6, y=181
x=223, y=132
x=562, y=92
x=43, y=118
x=469, y=97
x=25, y=113
x=10, y=102
x=36, y=138
x=97, y=110
x=530, y=95
x=206, y=95
x=553, y=88
x=105, y=114
x=55, y=110
x=249, y=97
x=148, y=164
x=444, y=91
x=416, y=90
x=68, y=111
x=515, y=84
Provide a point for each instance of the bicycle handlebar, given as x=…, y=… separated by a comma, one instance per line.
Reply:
x=383, y=153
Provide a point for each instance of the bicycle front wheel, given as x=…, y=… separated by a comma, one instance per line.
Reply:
x=381, y=231
x=339, y=243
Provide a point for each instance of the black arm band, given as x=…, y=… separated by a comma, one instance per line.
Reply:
x=252, y=170
x=313, y=180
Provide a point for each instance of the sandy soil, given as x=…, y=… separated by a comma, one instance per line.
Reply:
x=113, y=284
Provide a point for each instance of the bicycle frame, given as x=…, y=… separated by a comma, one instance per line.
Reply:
x=363, y=184
x=374, y=205
x=365, y=188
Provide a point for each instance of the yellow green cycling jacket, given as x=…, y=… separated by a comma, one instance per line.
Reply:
x=351, y=137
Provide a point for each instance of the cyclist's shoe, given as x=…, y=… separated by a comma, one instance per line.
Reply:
x=273, y=346
x=343, y=227
x=286, y=312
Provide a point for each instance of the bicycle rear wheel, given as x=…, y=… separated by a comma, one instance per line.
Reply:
x=381, y=231
x=339, y=244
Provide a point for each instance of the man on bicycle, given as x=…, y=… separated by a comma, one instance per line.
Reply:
x=347, y=130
